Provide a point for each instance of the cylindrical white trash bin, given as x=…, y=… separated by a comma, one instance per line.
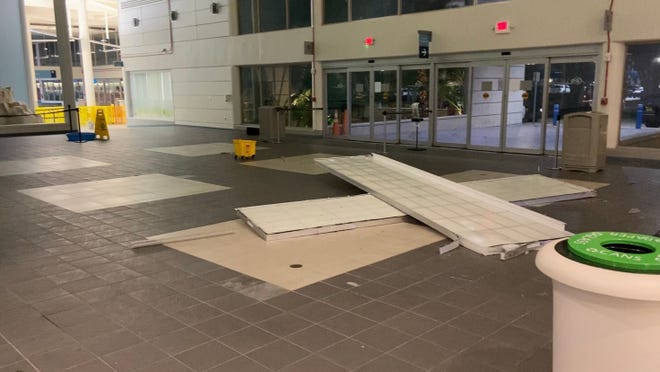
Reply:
x=606, y=302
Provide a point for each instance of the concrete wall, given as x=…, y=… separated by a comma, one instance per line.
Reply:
x=206, y=50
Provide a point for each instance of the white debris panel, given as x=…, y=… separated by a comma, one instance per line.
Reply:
x=480, y=222
x=319, y=216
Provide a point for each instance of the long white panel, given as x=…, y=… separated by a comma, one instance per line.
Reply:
x=313, y=217
x=478, y=221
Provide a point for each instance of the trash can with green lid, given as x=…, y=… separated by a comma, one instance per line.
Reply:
x=606, y=301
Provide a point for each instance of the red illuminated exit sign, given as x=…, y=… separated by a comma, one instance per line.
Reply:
x=502, y=27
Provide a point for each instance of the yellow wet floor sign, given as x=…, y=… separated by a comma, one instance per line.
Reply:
x=100, y=126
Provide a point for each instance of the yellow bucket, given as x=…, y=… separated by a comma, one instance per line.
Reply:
x=244, y=148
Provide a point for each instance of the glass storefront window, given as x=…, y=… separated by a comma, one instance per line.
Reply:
x=640, y=113
x=245, y=17
x=335, y=11
x=337, y=104
x=272, y=15
x=151, y=95
x=364, y=9
x=413, y=6
x=287, y=86
x=299, y=13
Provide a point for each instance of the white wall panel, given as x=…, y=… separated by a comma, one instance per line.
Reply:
x=202, y=88
x=184, y=34
x=201, y=102
x=213, y=30
x=202, y=74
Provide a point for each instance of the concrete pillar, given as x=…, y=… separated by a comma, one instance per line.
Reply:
x=14, y=60
x=29, y=58
x=66, y=69
x=86, y=54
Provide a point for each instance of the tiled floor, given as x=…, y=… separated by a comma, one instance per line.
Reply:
x=202, y=149
x=74, y=296
x=47, y=164
x=119, y=192
x=299, y=164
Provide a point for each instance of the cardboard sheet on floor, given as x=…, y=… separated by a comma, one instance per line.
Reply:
x=234, y=245
x=318, y=216
x=480, y=222
x=530, y=190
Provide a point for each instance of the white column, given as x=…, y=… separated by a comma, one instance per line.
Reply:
x=86, y=54
x=29, y=58
x=64, y=51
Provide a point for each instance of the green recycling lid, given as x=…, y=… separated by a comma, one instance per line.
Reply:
x=618, y=250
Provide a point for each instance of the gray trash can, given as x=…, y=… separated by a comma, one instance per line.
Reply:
x=271, y=124
x=585, y=140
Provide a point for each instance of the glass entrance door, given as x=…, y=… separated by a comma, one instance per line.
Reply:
x=571, y=87
x=486, y=107
x=451, y=117
x=524, y=119
x=385, y=99
x=360, y=123
x=414, y=89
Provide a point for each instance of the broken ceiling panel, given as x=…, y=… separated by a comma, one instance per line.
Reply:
x=313, y=217
x=480, y=222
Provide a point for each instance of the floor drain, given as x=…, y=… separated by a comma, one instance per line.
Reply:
x=295, y=266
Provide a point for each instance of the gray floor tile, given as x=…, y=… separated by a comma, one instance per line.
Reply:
x=247, y=339
x=205, y=356
x=278, y=354
x=221, y=325
x=284, y=324
x=377, y=311
x=134, y=357
x=196, y=314
x=476, y=324
x=240, y=364
x=232, y=302
x=382, y=338
x=346, y=300
x=421, y=353
x=106, y=343
x=387, y=363
x=94, y=365
x=411, y=323
x=179, y=340
x=314, y=363
x=60, y=359
x=315, y=338
x=22, y=366
x=166, y=365
x=349, y=353
x=289, y=301
x=9, y=355
x=317, y=311
x=451, y=338
x=256, y=312
x=347, y=324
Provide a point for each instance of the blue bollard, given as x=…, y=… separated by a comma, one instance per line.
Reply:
x=555, y=113
x=640, y=112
